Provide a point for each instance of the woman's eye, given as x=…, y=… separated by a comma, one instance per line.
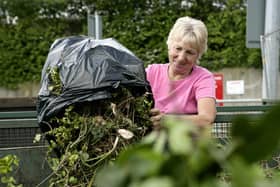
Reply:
x=178, y=48
x=190, y=52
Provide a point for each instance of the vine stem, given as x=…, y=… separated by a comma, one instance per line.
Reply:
x=103, y=156
x=90, y=184
x=82, y=135
x=58, y=167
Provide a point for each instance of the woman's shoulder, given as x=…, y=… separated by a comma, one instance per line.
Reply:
x=156, y=67
x=155, y=72
x=203, y=71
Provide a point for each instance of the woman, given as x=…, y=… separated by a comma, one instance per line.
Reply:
x=181, y=87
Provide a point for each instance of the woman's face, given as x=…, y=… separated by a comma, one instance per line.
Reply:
x=182, y=57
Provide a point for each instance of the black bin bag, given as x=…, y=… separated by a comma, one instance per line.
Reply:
x=89, y=70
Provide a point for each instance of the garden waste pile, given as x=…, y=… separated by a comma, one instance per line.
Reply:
x=94, y=102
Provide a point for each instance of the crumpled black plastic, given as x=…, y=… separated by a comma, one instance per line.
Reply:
x=89, y=70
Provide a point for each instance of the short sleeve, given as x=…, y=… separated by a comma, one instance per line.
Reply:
x=205, y=87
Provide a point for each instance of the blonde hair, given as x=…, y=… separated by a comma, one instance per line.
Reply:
x=189, y=30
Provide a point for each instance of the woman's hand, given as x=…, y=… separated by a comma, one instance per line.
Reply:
x=156, y=117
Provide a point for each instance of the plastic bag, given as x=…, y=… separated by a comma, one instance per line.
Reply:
x=88, y=70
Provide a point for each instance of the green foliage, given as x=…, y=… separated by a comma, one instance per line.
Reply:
x=182, y=155
x=24, y=46
x=227, y=32
x=176, y=154
x=8, y=164
x=55, y=85
x=141, y=26
x=251, y=137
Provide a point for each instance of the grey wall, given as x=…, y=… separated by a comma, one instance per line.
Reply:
x=25, y=90
x=252, y=82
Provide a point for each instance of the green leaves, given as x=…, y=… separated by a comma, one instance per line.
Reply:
x=227, y=32
x=8, y=164
x=161, y=159
x=142, y=162
x=244, y=174
x=156, y=181
x=24, y=44
x=173, y=156
x=134, y=165
x=258, y=139
x=180, y=140
x=55, y=85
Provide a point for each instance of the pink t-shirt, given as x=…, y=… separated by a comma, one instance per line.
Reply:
x=179, y=97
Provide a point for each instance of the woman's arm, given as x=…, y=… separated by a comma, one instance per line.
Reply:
x=206, y=113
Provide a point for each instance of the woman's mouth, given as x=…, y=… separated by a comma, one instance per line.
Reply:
x=179, y=67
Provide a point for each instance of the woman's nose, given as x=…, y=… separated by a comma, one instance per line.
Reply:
x=181, y=56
